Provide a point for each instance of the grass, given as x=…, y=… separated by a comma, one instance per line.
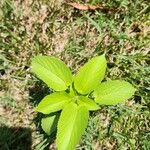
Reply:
x=48, y=27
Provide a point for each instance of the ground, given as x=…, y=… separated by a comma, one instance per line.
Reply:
x=51, y=27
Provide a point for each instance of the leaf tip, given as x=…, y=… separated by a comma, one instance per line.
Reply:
x=104, y=54
x=36, y=109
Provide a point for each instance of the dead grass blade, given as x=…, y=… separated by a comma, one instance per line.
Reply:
x=84, y=6
x=92, y=7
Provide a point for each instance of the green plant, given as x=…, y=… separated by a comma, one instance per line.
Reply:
x=75, y=96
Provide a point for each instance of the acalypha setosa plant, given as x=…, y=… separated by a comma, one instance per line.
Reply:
x=67, y=108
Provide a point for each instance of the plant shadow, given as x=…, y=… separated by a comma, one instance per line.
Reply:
x=15, y=138
x=36, y=93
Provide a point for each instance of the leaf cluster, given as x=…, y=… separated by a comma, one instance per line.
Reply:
x=68, y=107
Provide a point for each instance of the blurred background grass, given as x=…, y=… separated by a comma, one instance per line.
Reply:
x=51, y=27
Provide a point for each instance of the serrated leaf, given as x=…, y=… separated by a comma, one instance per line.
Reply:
x=71, y=126
x=90, y=75
x=89, y=103
x=53, y=102
x=113, y=92
x=52, y=71
x=49, y=123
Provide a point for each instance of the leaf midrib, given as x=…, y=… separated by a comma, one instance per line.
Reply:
x=112, y=92
x=73, y=124
x=55, y=104
x=48, y=70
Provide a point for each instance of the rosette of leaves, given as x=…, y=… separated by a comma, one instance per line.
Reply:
x=67, y=109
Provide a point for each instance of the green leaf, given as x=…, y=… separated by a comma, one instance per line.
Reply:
x=52, y=71
x=72, y=91
x=90, y=75
x=53, y=102
x=71, y=126
x=49, y=123
x=113, y=92
x=89, y=103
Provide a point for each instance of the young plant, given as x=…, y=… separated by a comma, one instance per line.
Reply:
x=67, y=109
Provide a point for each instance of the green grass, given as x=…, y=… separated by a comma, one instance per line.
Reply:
x=53, y=28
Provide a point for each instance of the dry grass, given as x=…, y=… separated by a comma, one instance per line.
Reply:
x=33, y=27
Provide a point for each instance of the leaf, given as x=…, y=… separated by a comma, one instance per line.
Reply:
x=72, y=91
x=84, y=6
x=90, y=75
x=49, y=123
x=89, y=103
x=53, y=102
x=113, y=92
x=103, y=8
x=52, y=71
x=71, y=126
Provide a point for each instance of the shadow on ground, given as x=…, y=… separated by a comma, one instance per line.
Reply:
x=36, y=93
x=15, y=138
